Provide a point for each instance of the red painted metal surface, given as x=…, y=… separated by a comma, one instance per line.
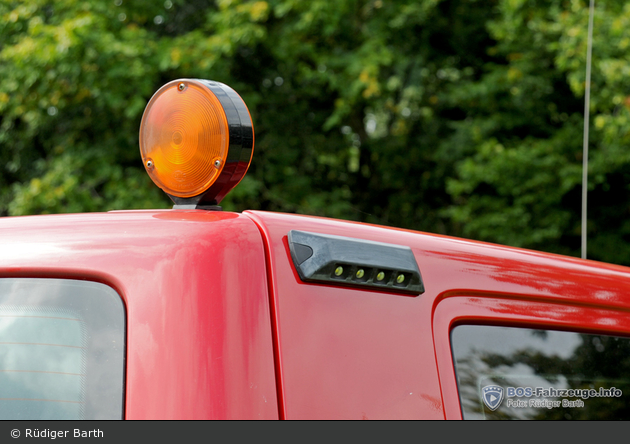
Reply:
x=199, y=339
x=347, y=353
x=352, y=354
x=214, y=304
x=514, y=311
x=509, y=287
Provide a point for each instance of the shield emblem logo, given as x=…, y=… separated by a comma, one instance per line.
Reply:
x=492, y=396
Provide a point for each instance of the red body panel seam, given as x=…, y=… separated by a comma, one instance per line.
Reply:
x=274, y=314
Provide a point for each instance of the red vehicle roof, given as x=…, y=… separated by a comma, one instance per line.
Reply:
x=214, y=302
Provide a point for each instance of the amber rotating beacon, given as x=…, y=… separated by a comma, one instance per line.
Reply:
x=196, y=141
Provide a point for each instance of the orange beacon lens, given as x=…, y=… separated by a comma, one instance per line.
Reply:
x=196, y=140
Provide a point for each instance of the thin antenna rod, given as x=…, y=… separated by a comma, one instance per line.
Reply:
x=587, y=103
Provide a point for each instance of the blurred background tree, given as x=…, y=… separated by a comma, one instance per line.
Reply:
x=461, y=117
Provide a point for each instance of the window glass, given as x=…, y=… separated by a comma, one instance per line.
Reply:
x=519, y=373
x=61, y=350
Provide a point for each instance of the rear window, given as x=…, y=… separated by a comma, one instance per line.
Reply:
x=520, y=373
x=61, y=350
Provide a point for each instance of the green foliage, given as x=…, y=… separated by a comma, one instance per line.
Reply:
x=522, y=183
x=453, y=116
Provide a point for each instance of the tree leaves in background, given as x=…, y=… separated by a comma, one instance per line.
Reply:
x=522, y=183
x=461, y=117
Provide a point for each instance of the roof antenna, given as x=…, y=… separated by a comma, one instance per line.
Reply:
x=587, y=101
